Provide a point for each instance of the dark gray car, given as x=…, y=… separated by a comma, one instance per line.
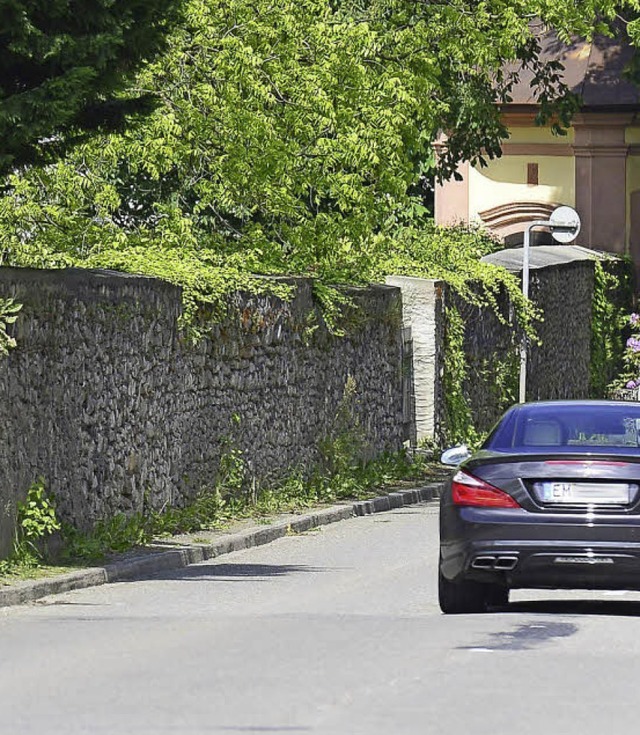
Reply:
x=551, y=500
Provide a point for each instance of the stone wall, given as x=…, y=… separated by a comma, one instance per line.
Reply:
x=491, y=353
x=106, y=400
x=557, y=367
x=562, y=286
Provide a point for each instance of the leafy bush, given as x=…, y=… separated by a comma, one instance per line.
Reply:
x=629, y=378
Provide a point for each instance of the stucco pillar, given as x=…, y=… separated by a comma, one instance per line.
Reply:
x=451, y=197
x=423, y=312
x=601, y=161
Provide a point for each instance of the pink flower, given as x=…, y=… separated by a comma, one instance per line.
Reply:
x=631, y=384
x=634, y=319
x=633, y=343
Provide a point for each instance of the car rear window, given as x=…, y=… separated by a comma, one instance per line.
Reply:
x=565, y=427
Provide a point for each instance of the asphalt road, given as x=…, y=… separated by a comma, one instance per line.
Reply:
x=336, y=631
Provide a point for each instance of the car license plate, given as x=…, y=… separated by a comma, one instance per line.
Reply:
x=583, y=493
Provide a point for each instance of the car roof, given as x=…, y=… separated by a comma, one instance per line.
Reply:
x=572, y=403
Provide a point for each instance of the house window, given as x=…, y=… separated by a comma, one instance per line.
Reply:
x=532, y=174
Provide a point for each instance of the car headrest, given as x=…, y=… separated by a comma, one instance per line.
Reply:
x=542, y=434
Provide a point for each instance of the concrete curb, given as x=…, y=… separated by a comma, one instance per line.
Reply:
x=150, y=563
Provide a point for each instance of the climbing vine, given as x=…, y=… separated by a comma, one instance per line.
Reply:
x=8, y=315
x=458, y=418
x=493, y=380
x=627, y=382
x=610, y=292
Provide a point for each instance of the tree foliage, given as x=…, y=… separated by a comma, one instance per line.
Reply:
x=290, y=137
x=62, y=61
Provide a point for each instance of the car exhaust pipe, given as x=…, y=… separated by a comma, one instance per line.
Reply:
x=495, y=563
x=484, y=562
x=506, y=563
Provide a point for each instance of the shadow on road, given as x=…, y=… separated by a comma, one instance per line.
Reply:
x=626, y=608
x=543, y=628
x=235, y=572
x=525, y=637
x=258, y=728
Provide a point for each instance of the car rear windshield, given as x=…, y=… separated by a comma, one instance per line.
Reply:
x=566, y=428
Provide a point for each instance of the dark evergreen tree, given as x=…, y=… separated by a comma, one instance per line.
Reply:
x=63, y=62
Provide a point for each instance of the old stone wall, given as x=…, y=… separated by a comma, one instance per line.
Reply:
x=106, y=400
x=562, y=287
x=557, y=367
x=491, y=353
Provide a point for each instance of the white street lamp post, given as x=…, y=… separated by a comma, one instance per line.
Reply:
x=564, y=224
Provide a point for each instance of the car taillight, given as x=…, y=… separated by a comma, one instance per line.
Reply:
x=469, y=490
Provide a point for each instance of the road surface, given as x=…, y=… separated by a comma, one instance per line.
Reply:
x=332, y=632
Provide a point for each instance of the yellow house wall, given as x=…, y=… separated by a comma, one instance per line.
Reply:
x=539, y=135
x=504, y=181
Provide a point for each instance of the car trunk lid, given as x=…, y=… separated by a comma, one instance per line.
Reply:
x=548, y=483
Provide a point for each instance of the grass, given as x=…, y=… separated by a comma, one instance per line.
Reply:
x=26, y=572
x=218, y=508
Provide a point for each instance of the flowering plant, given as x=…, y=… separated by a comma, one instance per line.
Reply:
x=630, y=377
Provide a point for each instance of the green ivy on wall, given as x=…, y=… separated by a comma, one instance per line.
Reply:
x=496, y=376
x=458, y=419
x=499, y=375
x=8, y=315
x=611, y=297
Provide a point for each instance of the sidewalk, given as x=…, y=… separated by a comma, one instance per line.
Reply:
x=179, y=552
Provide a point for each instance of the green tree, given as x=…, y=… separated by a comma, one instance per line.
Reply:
x=289, y=137
x=62, y=61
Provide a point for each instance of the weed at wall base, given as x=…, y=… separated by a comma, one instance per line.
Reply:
x=211, y=510
x=36, y=522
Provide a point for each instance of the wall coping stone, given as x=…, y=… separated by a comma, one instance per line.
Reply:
x=544, y=256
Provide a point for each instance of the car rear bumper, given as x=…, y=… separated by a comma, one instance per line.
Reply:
x=531, y=552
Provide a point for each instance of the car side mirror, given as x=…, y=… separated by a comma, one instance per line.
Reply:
x=455, y=455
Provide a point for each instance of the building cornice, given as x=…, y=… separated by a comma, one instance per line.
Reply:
x=519, y=116
x=605, y=119
x=537, y=149
x=600, y=151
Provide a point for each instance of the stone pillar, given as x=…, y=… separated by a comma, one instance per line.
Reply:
x=601, y=162
x=423, y=312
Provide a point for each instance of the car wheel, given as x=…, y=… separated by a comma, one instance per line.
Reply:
x=469, y=597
